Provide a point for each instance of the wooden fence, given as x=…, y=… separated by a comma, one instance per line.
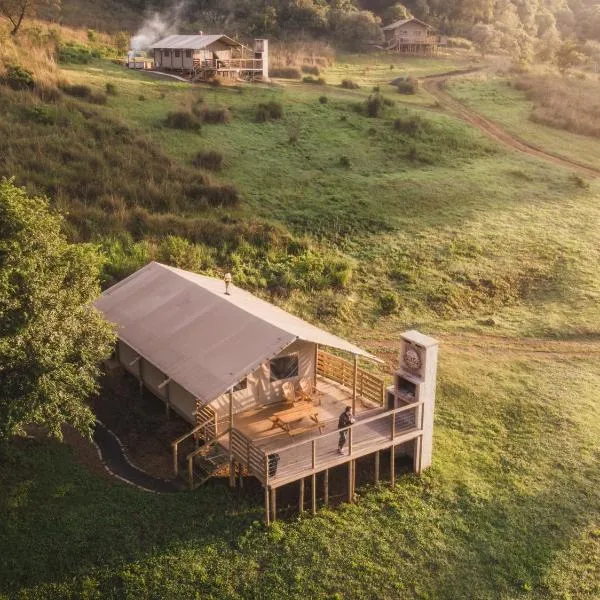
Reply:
x=368, y=386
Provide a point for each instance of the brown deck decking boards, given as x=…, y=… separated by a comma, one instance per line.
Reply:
x=296, y=462
x=257, y=425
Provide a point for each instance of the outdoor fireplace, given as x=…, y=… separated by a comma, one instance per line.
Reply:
x=406, y=389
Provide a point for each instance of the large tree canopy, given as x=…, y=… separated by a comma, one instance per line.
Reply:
x=51, y=338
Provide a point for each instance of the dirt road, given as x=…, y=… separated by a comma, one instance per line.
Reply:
x=437, y=87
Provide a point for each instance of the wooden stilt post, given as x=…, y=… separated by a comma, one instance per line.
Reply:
x=314, y=493
x=267, y=508
x=231, y=465
x=141, y=375
x=274, y=503
x=350, y=495
x=392, y=465
x=301, y=496
x=353, y=478
x=326, y=487
x=354, y=381
x=377, y=467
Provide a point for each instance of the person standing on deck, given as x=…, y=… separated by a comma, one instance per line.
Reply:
x=346, y=419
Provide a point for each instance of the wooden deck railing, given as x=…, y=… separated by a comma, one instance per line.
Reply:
x=206, y=427
x=368, y=386
x=245, y=64
x=303, y=458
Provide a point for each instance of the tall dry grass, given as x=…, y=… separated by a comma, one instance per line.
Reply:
x=570, y=102
x=301, y=52
x=35, y=48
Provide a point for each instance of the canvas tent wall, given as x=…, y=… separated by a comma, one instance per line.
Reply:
x=179, y=326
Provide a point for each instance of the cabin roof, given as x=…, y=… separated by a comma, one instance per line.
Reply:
x=204, y=340
x=401, y=22
x=192, y=42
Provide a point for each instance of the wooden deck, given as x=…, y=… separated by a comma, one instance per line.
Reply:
x=254, y=439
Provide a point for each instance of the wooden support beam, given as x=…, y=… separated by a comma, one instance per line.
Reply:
x=353, y=479
x=134, y=361
x=231, y=466
x=392, y=465
x=274, y=503
x=267, y=508
x=314, y=493
x=377, y=467
x=354, y=381
x=163, y=383
x=301, y=496
x=326, y=487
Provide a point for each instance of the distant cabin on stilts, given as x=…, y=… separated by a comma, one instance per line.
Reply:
x=411, y=36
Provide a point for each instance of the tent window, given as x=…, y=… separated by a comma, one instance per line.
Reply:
x=284, y=367
x=167, y=52
x=177, y=53
x=241, y=385
x=188, y=54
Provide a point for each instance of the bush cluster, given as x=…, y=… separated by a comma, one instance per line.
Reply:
x=74, y=53
x=213, y=115
x=83, y=92
x=285, y=72
x=210, y=160
x=183, y=119
x=269, y=111
x=348, y=84
x=18, y=78
x=311, y=70
x=313, y=80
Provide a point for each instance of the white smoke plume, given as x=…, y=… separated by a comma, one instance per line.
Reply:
x=157, y=26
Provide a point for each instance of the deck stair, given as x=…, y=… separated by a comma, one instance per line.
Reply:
x=204, y=462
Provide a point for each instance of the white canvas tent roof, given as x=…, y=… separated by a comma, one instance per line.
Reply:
x=192, y=42
x=401, y=22
x=204, y=340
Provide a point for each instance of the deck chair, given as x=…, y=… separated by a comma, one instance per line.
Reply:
x=307, y=390
x=289, y=394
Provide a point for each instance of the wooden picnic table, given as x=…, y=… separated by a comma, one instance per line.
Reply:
x=286, y=418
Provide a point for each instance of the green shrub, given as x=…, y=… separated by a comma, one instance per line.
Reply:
x=406, y=85
x=313, y=80
x=345, y=162
x=311, y=70
x=18, y=78
x=348, y=84
x=323, y=99
x=211, y=160
x=183, y=119
x=411, y=125
x=74, y=53
x=285, y=72
x=222, y=195
x=215, y=115
x=110, y=89
x=142, y=98
x=374, y=105
x=83, y=92
x=269, y=111
x=388, y=302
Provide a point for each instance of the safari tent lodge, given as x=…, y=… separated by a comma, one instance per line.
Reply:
x=261, y=389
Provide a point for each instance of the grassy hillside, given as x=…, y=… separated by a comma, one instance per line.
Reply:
x=369, y=225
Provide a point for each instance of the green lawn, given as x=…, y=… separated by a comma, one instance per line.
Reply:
x=493, y=97
x=493, y=252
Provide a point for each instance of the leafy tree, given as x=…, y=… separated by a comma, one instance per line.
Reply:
x=396, y=12
x=355, y=30
x=568, y=56
x=16, y=10
x=51, y=338
x=485, y=37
